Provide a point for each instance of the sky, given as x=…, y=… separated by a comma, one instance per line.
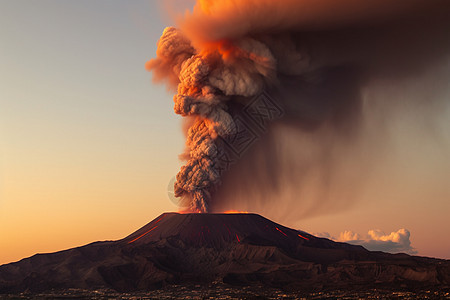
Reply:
x=89, y=145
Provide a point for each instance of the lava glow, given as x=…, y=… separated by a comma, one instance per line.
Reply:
x=141, y=235
x=235, y=212
x=280, y=231
x=184, y=211
x=303, y=237
x=145, y=233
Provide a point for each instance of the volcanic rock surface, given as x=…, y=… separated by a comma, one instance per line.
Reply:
x=236, y=249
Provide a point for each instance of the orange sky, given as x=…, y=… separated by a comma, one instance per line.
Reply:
x=88, y=145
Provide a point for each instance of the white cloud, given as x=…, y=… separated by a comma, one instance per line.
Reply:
x=394, y=242
x=377, y=240
x=349, y=235
x=323, y=235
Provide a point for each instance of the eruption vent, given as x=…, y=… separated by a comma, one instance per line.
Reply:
x=207, y=80
x=310, y=58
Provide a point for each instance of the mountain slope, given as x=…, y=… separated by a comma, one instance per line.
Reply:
x=232, y=248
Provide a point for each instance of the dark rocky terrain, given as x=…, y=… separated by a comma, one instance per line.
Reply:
x=233, y=250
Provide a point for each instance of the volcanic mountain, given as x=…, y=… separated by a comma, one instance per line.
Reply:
x=237, y=249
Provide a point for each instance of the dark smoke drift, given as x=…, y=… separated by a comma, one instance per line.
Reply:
x=313, y=59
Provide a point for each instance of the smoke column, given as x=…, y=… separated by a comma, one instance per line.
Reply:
x=315, y=58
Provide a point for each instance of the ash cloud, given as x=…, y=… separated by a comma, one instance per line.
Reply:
x=325, y=63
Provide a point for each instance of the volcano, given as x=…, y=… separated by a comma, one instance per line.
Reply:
x=236, y=249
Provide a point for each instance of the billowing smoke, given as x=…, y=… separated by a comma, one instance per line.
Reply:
x=314, y=60
x=207, y=80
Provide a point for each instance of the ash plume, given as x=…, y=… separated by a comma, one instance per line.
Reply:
x=315, y=59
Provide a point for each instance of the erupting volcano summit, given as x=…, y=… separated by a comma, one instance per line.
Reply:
x=242, y=249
